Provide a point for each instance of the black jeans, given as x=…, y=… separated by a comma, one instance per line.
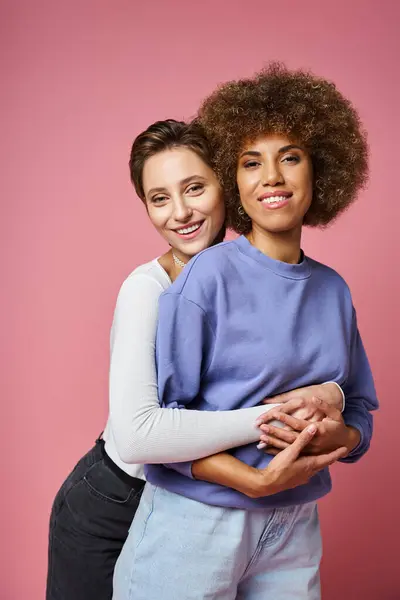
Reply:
x=89, y=524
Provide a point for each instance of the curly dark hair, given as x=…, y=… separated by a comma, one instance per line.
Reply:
x=164, y=135
x=307, y=109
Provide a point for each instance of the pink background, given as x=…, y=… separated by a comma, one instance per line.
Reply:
x=79, y=80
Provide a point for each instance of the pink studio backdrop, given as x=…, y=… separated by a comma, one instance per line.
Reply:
x=80, y=79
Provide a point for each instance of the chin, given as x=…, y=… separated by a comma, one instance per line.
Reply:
x=281, y=229
x=193, y=248
x=281, y=224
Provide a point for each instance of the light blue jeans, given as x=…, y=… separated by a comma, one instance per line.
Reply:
x=180, y=549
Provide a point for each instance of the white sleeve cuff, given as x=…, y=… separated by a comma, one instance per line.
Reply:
x=342, y=392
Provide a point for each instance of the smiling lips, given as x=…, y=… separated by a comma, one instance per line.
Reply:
x=270, y=201
x=190, y=231
x=275, y=200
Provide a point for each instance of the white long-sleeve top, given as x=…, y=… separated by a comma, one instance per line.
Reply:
x=138, y=430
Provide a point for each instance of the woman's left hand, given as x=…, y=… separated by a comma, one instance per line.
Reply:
x=332, y=432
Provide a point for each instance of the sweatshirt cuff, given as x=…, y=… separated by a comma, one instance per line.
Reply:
x=341, y=391
x=184, y=468
x=361, y=447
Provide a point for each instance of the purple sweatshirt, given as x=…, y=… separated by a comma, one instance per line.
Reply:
x=238, y=326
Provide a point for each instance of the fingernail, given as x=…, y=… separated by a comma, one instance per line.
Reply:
x=258, y=422
x=261, y=445
x=312, y=429
x=264, y=428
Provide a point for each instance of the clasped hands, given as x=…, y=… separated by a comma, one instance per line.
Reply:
x=297, y=411
x=312, y=436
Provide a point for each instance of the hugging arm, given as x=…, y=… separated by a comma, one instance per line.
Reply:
x=143, y=431
x=185, y=350
x=287, y=470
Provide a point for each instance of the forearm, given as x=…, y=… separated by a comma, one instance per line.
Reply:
x=286, y=471
x=170, y=435
x=228, y=471
x=196, y=434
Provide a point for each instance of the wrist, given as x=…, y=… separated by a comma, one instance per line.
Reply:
x=260, y=484
x=334, y=395
x=353, y=438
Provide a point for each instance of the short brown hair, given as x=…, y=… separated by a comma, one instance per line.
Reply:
x=304, y=107
x=164, y=135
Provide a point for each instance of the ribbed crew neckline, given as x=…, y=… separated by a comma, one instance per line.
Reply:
x=301, y=270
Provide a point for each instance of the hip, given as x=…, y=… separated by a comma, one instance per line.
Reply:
x=96, y=493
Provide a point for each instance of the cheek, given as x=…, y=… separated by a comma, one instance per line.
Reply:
x=241, y=188
x=213, y=206
x=157, y=216
x=246, y=184
x=302, y=182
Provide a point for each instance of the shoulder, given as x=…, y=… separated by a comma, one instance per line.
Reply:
x=146, y=282
x=329, y=276
x=204, y=270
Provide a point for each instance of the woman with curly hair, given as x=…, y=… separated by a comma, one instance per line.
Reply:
x=255, y=317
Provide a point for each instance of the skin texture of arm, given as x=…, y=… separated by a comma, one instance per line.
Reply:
x=287, y=470
x=225, y=469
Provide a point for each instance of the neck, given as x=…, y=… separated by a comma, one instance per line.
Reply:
x=168, y=264
x=172, y=268
x=283, y=246
x=180, y=255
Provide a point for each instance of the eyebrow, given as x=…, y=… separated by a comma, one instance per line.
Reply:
x=280, y=151
x=182, y=183
x=290, y=147
x=192, y=178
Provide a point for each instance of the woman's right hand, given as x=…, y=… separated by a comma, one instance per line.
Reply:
x=288, y=469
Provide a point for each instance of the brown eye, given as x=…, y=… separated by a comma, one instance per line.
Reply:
x=292, y=159
x=195, y=188
x=251, y=164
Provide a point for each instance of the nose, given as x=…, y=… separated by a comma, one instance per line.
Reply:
x=271, y=174
x=182, y=210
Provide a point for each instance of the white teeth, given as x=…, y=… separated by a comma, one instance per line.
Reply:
x=189, y=229
x=273, y=199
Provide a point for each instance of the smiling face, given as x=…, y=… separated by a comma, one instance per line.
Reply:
x=274, y=178
x=184, y=200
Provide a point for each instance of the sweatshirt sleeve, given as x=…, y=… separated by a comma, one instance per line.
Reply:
x=185, y=344
x=360, y=395
x=143, y=431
